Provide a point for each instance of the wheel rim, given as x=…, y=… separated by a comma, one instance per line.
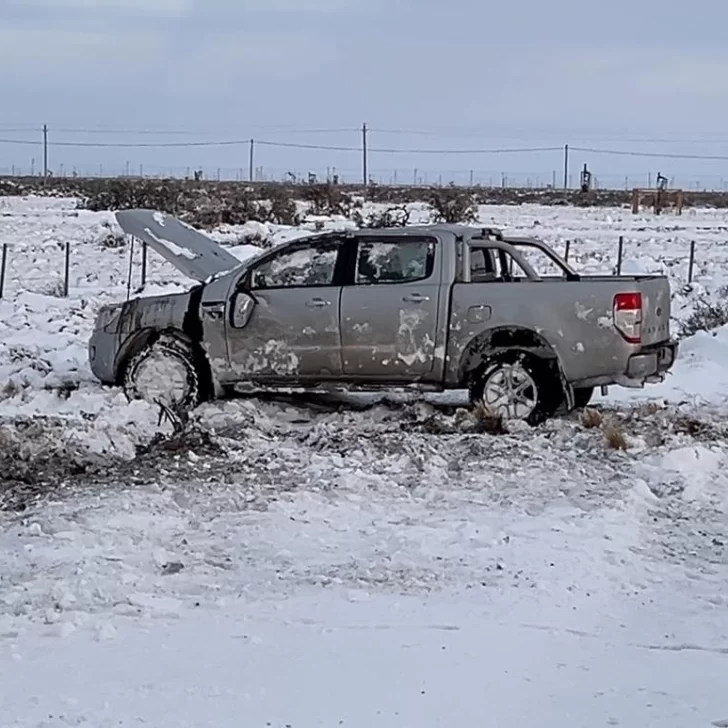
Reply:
x=511, y=392
x=163, y=378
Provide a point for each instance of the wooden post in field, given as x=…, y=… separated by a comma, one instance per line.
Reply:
x=144, y=264
x=620, y=253
x=3, y=263
x=66, y=269
x=691, y=262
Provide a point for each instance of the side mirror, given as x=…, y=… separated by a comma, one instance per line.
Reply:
x=243, y=306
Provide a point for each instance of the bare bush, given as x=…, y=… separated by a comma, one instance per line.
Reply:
x=615, y=437
x=707, y=316
x=282, y=209
x=487, y=421
x=397, y=216
x=591, y=418
x=54, y=287
x=111, y=238
x=329, y=199
x=453, y=205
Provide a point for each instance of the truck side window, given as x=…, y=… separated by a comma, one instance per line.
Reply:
x=481, y=266
x=403, y=261
x=301, y=267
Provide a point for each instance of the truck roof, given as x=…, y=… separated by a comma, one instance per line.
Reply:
x=458, y=230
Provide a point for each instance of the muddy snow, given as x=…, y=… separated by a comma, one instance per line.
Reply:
x=355, y=561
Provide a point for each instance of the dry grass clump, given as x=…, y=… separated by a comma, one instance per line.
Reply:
x=615, y=437
x=591, y=418
x=487, y=421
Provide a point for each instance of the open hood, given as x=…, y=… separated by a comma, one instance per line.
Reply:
x=188, y=250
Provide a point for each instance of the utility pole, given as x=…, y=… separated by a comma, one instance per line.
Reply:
x=251, y=161
x=566, y=167
x=365, y=172
x=45, y=152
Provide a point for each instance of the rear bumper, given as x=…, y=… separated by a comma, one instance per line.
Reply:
x=649, y=365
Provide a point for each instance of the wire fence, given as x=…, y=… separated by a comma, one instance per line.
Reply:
x=360, y=159
x=24, y=268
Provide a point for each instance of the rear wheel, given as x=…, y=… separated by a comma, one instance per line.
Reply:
x=164, y=373
x=517, y=386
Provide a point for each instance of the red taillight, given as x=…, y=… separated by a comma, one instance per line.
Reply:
x=627, y=312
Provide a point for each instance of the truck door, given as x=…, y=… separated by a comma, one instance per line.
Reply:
x=389, y=308
x=292, y=329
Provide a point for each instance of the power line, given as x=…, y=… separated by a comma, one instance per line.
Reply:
x=181, y=132
x=434, y=131
x=382, y=150
x=292, y=145
x=658, y=155
x=358, y=149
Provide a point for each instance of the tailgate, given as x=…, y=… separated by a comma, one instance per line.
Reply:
x=655, y=292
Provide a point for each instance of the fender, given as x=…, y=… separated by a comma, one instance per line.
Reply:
x=139, y=339
x=507, y=338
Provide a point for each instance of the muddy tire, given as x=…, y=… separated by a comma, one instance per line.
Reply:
x=164, y=372
x=582, y=396
x=517, y=386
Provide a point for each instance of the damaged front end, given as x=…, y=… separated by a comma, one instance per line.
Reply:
x=124, y=329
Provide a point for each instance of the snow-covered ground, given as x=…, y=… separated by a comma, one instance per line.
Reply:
x=299, y=564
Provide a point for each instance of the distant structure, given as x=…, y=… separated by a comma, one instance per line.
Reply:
x=586, y=180
x=659, y=199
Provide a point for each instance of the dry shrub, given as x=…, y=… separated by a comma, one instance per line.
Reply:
x=397, y=216
x=591, y=418
x=487, y=421
x=53, y=287
x=615, y=437
x=282, y=209
x=649, y=409
x=328, y=199
x=9, y=390
x=707, y=316
x=453, y=205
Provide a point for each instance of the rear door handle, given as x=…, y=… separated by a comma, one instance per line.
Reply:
x=317, y=303
x=415, y=298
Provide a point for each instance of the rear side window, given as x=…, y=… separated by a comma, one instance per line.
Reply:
x=481, y=266
x=394, y=261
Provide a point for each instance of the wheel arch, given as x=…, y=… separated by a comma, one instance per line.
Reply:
x=139, y=340
x=509, y=338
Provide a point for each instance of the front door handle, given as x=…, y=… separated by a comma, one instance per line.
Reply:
x=214, y=310
x=415, y=298
x=317, y=303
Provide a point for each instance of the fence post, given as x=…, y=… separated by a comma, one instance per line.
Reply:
x=3, y=262
x=566, y=252
x=691, y=262
x=66, y=269
x=144, y=264
x=620, y=253
x=131, y=268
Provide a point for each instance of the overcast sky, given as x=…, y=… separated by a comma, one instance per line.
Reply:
x=424, y=74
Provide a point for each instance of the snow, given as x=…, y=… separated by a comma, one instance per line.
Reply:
x=172, y=247
x=313, y=565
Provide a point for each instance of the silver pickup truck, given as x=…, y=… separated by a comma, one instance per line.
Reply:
x=431, y=308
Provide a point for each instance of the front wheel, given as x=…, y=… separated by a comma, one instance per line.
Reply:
x=516, y=385
x=164, y=373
